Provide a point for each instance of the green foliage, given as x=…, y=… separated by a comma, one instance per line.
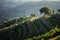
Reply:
x=58, y=11
x=33, y=15
x=55, y=38
x=45, y=10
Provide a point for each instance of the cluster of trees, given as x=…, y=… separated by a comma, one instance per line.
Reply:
x=53, y=19
x=47, y=10
x=33, y=15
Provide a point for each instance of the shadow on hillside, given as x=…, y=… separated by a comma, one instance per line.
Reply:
x=55, y=19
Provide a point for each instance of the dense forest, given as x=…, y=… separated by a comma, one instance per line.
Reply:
x=32, y=27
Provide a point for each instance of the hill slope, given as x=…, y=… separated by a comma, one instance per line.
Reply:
x=25, y=28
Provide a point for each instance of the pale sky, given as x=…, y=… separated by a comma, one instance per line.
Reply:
x=31, y=0
x=40, y=0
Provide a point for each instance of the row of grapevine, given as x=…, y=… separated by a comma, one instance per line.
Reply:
x=48, y=36
x=12, y=34
x=11, y=21
x=40, y=27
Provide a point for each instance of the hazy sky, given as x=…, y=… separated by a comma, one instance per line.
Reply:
x=36, y=0
x=30, y=0
x=40, y=0
x=7, y=3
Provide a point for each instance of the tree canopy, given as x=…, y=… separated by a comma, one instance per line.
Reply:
x=58, y=11
x=33, y=15
x=45, y=10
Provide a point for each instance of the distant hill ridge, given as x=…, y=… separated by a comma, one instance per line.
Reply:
x=27, y=9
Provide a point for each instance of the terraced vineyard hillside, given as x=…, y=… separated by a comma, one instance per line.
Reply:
x=29, y=28
x=53, y=34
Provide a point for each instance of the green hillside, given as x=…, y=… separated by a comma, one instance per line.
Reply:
x=31, y=28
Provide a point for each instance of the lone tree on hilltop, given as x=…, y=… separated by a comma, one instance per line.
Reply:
x=45, y=10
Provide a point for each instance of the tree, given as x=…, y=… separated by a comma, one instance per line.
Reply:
x=58, y=11
x=45, y=10
x=33, y=15
x=53, y=11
